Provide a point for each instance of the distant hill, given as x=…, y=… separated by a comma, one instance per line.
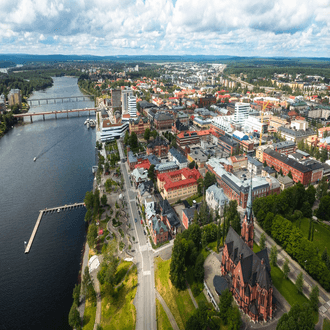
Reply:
x=7, y=64
x=280, y=61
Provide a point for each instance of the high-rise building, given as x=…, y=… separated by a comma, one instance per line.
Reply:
x=125, y=93
x=132, y=106
x=241, y=112
x=115, y=98
x=14, y=97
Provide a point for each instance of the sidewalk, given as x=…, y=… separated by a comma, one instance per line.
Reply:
x=295, y=269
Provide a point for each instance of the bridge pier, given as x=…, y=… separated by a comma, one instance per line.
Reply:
x=43, y=116
x=46, y=101
x=55, y=115
x=67, y=114
x=38, y=102
x=31, y=119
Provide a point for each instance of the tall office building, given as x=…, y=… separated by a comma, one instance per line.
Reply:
x=115, y=98
x=132, y=106
x=125, y=93
x=241, y=112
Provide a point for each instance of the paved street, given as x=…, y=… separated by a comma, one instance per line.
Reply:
x=145, y=300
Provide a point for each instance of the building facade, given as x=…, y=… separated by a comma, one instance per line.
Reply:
x=163, y=120
x=251, y=283
x=139, y=125
x=179, y=184
x=158, y=147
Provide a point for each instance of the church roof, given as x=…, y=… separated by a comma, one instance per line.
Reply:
x=255, y=267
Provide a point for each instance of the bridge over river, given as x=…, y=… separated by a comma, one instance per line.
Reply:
x=62, y=99
x=56, y=112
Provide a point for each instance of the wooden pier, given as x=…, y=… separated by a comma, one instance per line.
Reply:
x=45, y=211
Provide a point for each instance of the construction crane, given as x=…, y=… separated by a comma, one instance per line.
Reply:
x=262, y=121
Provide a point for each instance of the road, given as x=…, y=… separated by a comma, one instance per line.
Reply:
x=145, y=300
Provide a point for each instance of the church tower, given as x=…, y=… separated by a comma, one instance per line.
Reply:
x=248, y=225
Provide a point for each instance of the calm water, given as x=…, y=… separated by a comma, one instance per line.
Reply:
x=36, y=289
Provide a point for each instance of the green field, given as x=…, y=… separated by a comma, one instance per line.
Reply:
x=89, y=316
x=122, y=270
x=321, y=234
x=118, y=311
x=179, y=302
x=163, y=322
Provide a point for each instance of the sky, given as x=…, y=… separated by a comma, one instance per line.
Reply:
x=166, y=27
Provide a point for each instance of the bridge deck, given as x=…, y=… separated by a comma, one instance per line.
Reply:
x=41, y=213
x=27, y=114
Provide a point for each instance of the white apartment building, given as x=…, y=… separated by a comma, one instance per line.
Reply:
x=253, y=124
x=241, y=112
x=125, y=93
x=223, y=123
x=132, y=106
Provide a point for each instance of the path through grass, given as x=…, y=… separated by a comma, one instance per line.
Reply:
x=163, y=323
x=179, y=302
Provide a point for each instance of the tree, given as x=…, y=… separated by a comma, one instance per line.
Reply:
x=154, y=133
x=74, y=317
x=87, y=287
x=126, y=138
x=133, y=141
x=151, y=173
x=290, y=175
x=191, y=165
x=146, y=135
x=300, y=282
x=177, y=267
x=314, y=297
x=88, y=215
x=265, y=163
x=267, y=224
x=218, y=235
x=262, y=241
x=91, y=235
x=273, y=255
x=299, y=317
x=199, y=268
x=324, y=155
x=306, y=210
x=286, y=268
x=322, y=188
x=323, y=212
x=225, y=305
x=209, y=179
x=310, y=195
x=104, y=200
x=281, y=172
x=89, y=198
x=76, y=294
x=234, y=319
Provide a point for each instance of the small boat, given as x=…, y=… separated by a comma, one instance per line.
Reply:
x=34, y=159
x=88, y=125
x=58, y=210
x=86, y=121
x=92, y=123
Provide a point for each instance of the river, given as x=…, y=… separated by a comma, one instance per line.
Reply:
x=36, y=288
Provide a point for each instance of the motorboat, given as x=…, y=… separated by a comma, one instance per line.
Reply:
x=34, y=159
x=88, y=125
x=58, y=210
x=92, y=123
x=86, y=121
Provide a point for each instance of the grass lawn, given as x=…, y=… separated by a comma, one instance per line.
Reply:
x=89, y=316
x=179, y=302
x=118, y=312
x=122, y=270
x=321, y=234
x=256, y=248
x=163, y=322
x=213, y=246
x=326, y=324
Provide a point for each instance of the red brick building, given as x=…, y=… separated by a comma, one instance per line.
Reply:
x=159, y=231
x=281, y=162
x=192, y=137
x=249, y=272
x=158, y=147
x=163, y=120
x=206, y=101
x=139, y=125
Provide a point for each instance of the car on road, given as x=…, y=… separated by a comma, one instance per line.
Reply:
x=144, y=232
x=141, y=222
x=135, y=220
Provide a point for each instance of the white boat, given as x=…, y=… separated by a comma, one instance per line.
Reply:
x=88, y=125
x=58, y=210
x=85, y=122
x=34, y=159
x=92, y=123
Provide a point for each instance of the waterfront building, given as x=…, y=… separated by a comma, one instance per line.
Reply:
x=111, y=131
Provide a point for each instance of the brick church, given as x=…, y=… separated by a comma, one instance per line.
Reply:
x=248, y=272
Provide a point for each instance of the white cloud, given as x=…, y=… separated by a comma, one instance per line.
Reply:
x=236, y=27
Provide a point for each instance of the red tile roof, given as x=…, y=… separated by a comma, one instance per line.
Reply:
x=191, y=176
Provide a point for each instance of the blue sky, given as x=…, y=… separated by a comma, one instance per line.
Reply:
x=160, y=27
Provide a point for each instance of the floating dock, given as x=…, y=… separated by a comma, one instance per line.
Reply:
x=45, y=211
